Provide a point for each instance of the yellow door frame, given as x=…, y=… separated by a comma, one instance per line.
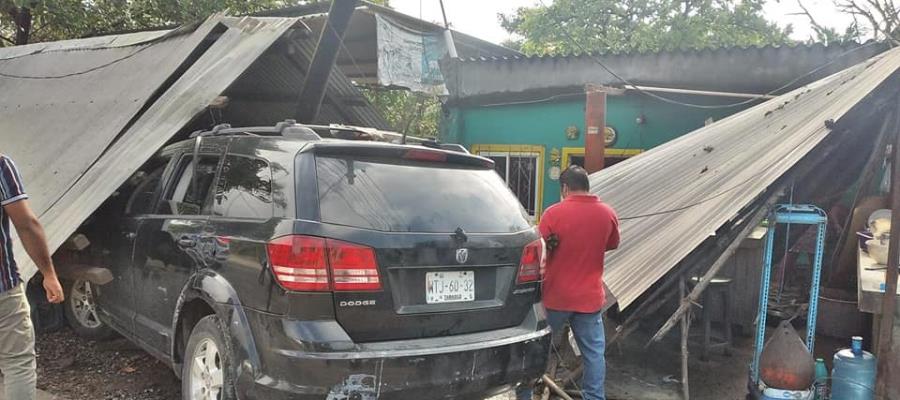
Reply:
x=521, y=148
x=568, y=152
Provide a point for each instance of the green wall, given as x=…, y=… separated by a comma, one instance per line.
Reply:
x=544, y=124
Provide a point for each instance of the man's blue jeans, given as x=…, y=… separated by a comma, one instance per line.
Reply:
x=591, y=339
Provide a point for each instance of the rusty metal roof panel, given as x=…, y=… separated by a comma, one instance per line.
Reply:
x=673, y=197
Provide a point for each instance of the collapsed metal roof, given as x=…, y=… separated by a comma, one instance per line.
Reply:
x=80, y=116
x=672, y=198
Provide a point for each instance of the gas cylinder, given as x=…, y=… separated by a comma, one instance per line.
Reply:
x=785, y=362
x=853, y=375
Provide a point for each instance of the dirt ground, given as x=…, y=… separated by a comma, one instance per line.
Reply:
x=75, y=369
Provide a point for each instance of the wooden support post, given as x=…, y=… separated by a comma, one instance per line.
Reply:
x=888, y=303
x=555, y=388
x=872, y=165
x=685, y=327
x=687, y=302
x=330, y=41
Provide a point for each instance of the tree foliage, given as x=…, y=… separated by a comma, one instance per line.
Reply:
x=415, y=114
x=872, y=19
x=641, y=25
x=67, y=19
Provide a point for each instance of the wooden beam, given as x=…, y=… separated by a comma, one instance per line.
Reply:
x=685, y=328
x=316, y=82
x=888, y=303
x=872, y=165
x=697, y=291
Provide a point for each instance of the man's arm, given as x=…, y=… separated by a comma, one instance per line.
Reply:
x=613, y=242
x=33, y=238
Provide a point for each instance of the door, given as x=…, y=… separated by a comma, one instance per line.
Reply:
x=116, y=298
x=420, y=249
x=169, y=247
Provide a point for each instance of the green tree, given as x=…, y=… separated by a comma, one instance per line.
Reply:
x=415, y=114
x=27, y=21
x=872, y=19
x=641, y=25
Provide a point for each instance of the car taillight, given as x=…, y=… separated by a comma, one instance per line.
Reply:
x=425, y=155
x=531, y=269
x=353, y=267
x=306, y=263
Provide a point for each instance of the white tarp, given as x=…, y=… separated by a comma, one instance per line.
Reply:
x=408, y=58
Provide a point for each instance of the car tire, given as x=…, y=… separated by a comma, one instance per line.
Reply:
x=207, y=372
x=80, y=308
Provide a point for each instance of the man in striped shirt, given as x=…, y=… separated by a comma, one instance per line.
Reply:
x=17, y=359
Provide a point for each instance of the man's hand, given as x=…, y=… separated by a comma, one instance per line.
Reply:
x=552, y=242
x=54, y=289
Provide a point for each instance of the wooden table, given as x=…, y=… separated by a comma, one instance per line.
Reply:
x=871, y=294
x=869, y=284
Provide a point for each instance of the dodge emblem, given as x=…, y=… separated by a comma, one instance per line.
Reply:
x=462, y=255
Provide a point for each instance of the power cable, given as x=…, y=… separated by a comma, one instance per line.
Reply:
x=146, y=45
x=632, y=86
x=82, y=72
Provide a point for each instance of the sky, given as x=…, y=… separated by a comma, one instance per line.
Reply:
x=479, y=17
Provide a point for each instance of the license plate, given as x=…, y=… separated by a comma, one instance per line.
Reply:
x=449, y=287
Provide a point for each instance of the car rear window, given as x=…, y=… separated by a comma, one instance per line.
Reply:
x=415, y=197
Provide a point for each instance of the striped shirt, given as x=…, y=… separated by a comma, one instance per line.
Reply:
x=11, y=191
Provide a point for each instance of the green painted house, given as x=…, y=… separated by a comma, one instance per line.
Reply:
x=528, y=114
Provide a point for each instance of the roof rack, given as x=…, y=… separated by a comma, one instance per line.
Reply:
x=289, y=128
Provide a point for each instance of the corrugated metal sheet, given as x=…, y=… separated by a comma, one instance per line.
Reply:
x=672, y=198
x=78, y=116
x=268, y=90
x=749, y=70
x=59, y=127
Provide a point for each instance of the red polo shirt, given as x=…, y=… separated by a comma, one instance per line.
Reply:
x=586, y=229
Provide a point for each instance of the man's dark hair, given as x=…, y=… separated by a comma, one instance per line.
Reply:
x=575, y=178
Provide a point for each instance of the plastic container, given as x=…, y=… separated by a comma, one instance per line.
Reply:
x=853, y=376
x=820, y=387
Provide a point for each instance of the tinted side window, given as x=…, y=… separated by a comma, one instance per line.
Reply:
x=183, y=197
x=146, y=193
x=244, y=189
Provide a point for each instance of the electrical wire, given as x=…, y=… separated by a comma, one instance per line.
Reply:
x=697, y=203
x=146, y=45
x=632, y=86
x=82, y=72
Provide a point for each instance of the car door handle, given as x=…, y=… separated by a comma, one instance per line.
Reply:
x=130, y=235
x=186, y=243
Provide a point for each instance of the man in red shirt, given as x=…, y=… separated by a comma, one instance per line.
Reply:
x=578, y=231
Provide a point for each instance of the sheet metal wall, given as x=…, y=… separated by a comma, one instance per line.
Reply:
x=702, y=180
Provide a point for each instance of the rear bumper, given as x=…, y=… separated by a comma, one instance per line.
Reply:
x=467, y=366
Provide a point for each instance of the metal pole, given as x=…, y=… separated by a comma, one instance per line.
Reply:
x=326, y=54
x=448, y=35
x=888, y=301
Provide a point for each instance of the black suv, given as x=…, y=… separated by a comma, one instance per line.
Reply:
x=273, y=263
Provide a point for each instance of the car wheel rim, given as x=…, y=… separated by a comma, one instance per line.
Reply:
x=83, y=305
x=207, y=377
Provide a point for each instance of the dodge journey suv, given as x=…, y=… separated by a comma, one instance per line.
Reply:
x=284, y=263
